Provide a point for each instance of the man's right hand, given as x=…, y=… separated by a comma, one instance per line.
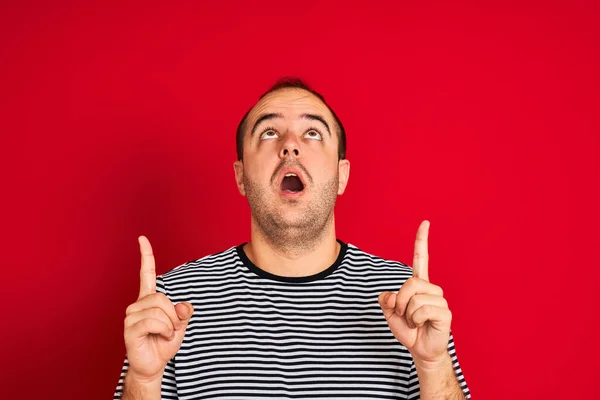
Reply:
x=154, y=327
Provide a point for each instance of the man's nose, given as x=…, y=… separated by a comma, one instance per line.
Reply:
x=289, y=147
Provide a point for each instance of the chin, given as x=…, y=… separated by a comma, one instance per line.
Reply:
x=293, y=218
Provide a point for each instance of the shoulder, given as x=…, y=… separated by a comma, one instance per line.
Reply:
x=360, y=258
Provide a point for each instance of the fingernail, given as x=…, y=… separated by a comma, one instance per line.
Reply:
x=390, y=296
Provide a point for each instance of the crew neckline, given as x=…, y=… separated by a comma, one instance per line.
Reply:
x=292, y=279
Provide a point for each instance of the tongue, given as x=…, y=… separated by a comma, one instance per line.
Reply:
x=291, y=184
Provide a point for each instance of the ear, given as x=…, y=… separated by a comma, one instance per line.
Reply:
x=344, y=175
x=238, y=167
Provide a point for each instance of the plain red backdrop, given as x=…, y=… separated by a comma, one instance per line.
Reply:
x=118, y=120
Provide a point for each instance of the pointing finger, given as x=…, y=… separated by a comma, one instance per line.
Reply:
x=148, y=269
x=421, y=256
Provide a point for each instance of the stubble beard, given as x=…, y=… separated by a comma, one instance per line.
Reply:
x=303, y=231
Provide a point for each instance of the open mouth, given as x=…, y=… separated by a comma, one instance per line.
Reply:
x=291, y=183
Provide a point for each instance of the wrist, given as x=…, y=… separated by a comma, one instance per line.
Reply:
x=433, y=366
x=137, y=387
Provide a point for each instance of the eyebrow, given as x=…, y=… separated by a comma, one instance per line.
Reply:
x=266, y=117
x=314, y=117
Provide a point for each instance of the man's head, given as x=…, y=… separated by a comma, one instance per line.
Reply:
x=292, y=83
x=291, y=166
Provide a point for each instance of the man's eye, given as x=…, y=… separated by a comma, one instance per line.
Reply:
x=313, y=134
x=268, y=134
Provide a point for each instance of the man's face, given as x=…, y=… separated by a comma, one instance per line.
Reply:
x=290, y=171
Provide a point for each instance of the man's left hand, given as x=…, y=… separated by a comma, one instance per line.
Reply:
x=418, y=314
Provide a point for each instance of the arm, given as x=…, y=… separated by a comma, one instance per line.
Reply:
x=135, y=388
x=419, y=317
x=438, y=381
x=131, y=387
x=154, y=331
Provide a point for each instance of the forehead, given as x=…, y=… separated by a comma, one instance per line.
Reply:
x=291, y=102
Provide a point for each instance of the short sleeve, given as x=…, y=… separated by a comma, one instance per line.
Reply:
x=413, y=379
x=457, y=370
x=169, y=384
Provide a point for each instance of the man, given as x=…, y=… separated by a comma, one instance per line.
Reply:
x=294, y=313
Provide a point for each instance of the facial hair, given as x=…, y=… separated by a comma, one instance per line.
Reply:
x=293, y=225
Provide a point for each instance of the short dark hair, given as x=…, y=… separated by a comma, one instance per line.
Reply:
x=297, y=83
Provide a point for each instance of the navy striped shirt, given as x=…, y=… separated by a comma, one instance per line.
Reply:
x=256, y=335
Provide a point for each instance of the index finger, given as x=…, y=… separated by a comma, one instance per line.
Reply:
x=148, y=269
x=421, y=256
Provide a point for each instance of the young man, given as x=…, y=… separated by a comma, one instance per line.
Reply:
x=294, y=313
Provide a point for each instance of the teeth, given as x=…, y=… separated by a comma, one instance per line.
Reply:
x=290, y=175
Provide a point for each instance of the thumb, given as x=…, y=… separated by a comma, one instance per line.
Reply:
x=387, y=302
x=184, y=312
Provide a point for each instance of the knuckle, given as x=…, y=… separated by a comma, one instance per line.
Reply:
x=135, y=307
x=164, y=300
x=417, y=284
x=411, y=308
x=445, y=302
x=417, y=301
x=158, y=296
x=157, y=313
x=428, y=309
x=409, y=284
x=413, y=320
x=161, y=295
x=157, y=300
x=144, y=323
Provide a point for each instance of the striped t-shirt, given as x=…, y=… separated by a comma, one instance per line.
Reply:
x=254, y=335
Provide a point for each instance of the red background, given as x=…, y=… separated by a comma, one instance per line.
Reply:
x=118, y=120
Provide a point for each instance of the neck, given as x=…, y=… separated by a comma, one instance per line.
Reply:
x=284, y=256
